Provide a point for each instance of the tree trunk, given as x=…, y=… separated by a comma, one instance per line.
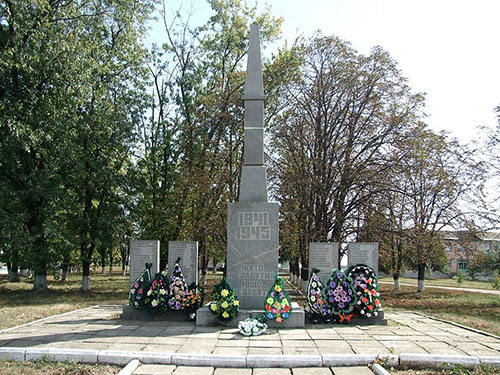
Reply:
x=111, y=264
x=395, y=276
x=305, y=278
x=13, y=271
x=65, y=267
x=86, y=276
x=124, y=260
x=103, y=263
x=421, y=277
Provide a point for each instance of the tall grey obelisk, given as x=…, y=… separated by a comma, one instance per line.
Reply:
x=252, y=225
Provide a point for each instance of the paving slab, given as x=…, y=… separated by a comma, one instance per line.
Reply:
x=357, y=370
x=233, y=371
x=272, y=371
x=312, y=371
x=193, y=370
x=154, y=370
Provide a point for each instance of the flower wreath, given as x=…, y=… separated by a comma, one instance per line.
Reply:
x=193, y=300
x=339, y=294
x=251, y=327
x=315, y=296
x=225, y=304
x=139, y=288
x=365, y=285
x=157, y=295
x=277, y=305
x=177, y=287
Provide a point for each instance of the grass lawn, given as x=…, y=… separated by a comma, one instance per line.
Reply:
x=475, y=310
x=445, y=282
x=458, y=370
x=20, y=304
x=53, y=368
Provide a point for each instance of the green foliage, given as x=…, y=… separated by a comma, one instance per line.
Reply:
x=496, y=281
x=460, y=277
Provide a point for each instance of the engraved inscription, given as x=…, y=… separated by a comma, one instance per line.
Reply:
x=363, y=253
x=253, y=226
x=142, y=252
x=253, y=279
x=188, y=253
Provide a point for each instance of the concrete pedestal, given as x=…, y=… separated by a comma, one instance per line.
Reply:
x=205, y=318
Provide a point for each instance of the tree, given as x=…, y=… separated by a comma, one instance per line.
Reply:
x=332, y=143
x=63, y=124
x=191, y=146
x=440, y=173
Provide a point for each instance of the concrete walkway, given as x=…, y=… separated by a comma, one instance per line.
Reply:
x=96, y=335
x=470, y=290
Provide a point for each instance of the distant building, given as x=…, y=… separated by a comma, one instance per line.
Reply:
x=463, y=246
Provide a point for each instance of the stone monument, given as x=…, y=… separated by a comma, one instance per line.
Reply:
x=188, y=252
x=252, y=222
x=142, y=252
x=324, y=256
x=363, y=253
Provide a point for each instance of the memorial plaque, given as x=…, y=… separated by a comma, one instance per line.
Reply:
x=188, y=252
x=363, y=253
x=324, y=256
x=252, y=250
x=142, y=252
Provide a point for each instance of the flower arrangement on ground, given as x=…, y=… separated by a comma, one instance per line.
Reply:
x=340, y=295
x=318, y=307
x=177, y=287
x=365, y=285
x=252, y=327
x=277, y=305
x=193, y=300
x=139, y=288
x=225, y=305
x=157, y=294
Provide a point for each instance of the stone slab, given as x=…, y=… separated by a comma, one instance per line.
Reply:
x=411, y=360
x=356, y=370
x=324, y=256
x=252, y=250
x=155, y=370
x=287, y=361
x=253, y=186
x=490, y=361
x=141, y=252
x=233, y=371
x=209, y=360
x=339, y=360
x=188, y=252
x=130, y=368
x=254, y=141
x=379, y=370
x=311, y=371
x=363, y=253
x=117, y=357
x=205, y=318
x=194, y=370
x=13, y=354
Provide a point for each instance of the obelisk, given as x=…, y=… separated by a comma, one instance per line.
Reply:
x=252, y=225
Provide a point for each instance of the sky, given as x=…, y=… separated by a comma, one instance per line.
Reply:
x=448, y=49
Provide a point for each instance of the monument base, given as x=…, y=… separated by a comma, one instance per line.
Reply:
x=205, y=318
x=357, y=320
x=129, y=313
